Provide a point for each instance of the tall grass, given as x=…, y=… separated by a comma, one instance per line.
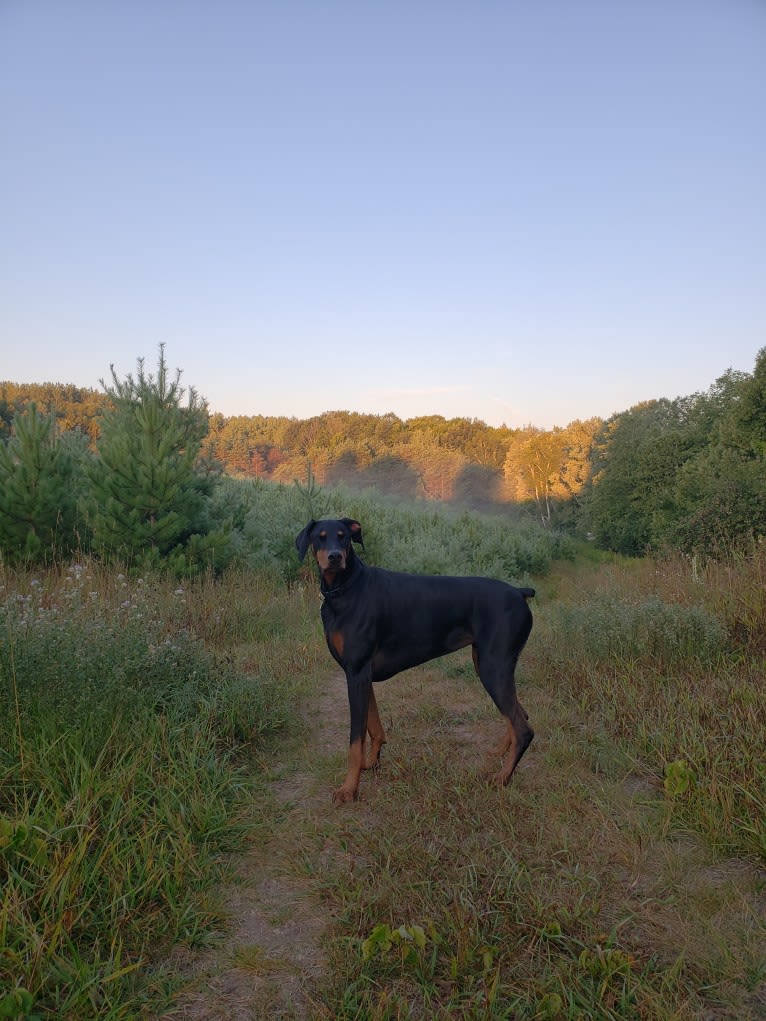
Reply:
x=122, y=778
x=421, y=538
x=670, y=655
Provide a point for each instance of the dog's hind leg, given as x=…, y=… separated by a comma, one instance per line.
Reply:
x=517, y=739
x=499, y=682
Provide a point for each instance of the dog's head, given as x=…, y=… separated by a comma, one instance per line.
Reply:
x=330, y=540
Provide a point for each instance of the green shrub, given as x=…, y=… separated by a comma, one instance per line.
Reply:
x=416, y=537
x=664, y=634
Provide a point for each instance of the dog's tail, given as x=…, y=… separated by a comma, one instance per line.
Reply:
x=528, y=593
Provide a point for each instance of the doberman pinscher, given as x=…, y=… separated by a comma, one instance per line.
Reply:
x=380, y=622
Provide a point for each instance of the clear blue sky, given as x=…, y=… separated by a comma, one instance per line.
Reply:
x=523, y=211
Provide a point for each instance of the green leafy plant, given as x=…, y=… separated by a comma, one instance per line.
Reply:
x=679, y=777
x=17, y=1005
x=406, y=941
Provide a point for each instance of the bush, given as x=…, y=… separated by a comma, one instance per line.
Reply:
x=653, y=631
x=416, y=537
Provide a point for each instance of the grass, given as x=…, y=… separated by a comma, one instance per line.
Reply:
x=126, y=772
x=150, y=729
x=659, y=658
x=565, y=896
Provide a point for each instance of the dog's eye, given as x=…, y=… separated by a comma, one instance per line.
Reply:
x=323, y=536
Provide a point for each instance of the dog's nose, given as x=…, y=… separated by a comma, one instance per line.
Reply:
x=335, y=556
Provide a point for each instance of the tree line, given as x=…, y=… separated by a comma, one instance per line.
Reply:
x=457, y=460
x=136, y=466
x=687, y=474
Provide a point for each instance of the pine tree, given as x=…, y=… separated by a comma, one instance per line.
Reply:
x=149, y=494
x=40, y=479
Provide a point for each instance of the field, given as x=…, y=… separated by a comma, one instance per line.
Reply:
x=168, y=849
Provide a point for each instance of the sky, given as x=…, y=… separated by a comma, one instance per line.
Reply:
x=520, y=211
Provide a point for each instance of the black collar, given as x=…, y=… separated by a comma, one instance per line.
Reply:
x=344, y=586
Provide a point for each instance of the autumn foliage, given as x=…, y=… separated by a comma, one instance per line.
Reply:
x=685, y=474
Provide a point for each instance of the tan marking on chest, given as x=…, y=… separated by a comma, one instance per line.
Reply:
x=336, y=641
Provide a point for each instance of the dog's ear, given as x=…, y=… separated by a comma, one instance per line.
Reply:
x=356, y=530
x=302, y=540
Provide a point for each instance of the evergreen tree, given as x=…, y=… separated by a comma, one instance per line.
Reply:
x=6, y=419
x=40, y=478
x=149, y=491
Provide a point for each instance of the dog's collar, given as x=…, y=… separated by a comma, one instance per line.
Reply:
x=339, y=590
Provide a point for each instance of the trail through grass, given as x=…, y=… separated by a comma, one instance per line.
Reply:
x=575, y=893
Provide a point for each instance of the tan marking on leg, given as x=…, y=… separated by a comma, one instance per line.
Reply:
x=517, y=739
x=349, y=789
x=505, y=741
x=376, y=732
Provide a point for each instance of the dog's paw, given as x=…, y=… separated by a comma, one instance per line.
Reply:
x=344, y=795
x=500, y=779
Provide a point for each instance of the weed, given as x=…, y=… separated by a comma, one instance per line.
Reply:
x=678, y=778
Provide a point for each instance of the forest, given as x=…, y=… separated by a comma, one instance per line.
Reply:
x=684, y=475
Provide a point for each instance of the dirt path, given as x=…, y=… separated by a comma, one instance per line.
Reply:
x=274, y=948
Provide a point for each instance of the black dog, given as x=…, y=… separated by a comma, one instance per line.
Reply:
x=379, y=622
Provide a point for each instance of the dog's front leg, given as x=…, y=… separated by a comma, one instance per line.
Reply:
x=359, y=690
x=376, y=732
